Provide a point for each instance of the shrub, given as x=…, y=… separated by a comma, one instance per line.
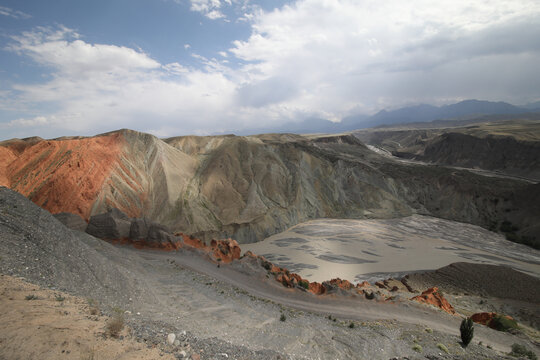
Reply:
x=519, y=350
x=351, y=325
x=304, y=284
x=502, y=323
x=94, y=308
x=282, y=317
x=370, y=296
x=417, y=348
x=442, y=347
x=467, y=331
x=31, y=297
x=59, y=298
x=115, y=325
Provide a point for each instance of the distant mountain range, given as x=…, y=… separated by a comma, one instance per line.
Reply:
x=466, y=109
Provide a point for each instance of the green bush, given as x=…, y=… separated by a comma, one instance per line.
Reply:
x=519, y=350
x=417, y=348
x=304, y=284
x=351, y=325
x=443, y=347
x=467, y=331
x=31, y=297
x=282, y=317
x=502, y=323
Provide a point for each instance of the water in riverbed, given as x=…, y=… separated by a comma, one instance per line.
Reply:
x=359, y=250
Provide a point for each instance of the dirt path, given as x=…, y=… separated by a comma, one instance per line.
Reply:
x=237, y=319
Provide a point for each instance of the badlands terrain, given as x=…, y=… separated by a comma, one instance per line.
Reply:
x=134, y=217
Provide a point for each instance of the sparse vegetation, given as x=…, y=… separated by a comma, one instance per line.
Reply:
x=467, y=331
x=115, y=325
x=93, y=307
x=503, y=323
x=90, y=355
x=282, y=317
x=59, y=297
x=429, y=330
x=304, y=284
x=443, y=348
x=351, y=325
x=31, y=297
x=519, y=350
x=417, y=348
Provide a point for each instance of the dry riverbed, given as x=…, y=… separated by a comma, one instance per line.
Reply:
x=376, y=249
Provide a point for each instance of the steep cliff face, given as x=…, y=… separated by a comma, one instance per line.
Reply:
x=505, y=154
x=508, y=147
x=251, y=187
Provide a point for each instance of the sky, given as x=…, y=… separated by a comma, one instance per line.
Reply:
x=178, y=67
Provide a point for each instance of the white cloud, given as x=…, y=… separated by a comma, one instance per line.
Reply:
x=13, y=13
x=209, y=8
x=33, y=122
x=214, y=14
x=212, y=9
x=62, y=50
x=95, y=86
x=313, y=58
x=345, y=53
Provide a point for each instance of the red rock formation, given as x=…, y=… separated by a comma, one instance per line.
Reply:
x=141, y=244
x=316, y=288
x=60, y=175
x=483, y=318
x=192, y=241
x=342, y=284
x=432, y=296
x=225, y=250
x=362, y=284
x=486, y=318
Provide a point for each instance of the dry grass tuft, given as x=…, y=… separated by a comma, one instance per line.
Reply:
x=115, y=325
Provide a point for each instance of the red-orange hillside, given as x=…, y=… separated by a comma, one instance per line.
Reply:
x=60, y=175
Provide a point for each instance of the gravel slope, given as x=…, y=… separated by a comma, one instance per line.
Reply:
x=223, y=310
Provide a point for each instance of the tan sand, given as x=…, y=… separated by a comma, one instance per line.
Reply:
x=46, y=328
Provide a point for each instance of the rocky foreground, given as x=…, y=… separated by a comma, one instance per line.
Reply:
x=233, y=306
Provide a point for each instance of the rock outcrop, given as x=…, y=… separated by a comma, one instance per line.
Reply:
x=111, y=225
x=72, y=221
x=434, y=297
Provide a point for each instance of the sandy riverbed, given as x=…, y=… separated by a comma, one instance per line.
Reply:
x=370, y=250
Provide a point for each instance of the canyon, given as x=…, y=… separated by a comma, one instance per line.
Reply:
x=282, y=245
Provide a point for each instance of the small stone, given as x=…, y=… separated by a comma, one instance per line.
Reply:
x=176, y=342
x=182, y=354
x=171, y=338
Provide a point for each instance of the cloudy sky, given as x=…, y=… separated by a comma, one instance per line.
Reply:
x=174, y=67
